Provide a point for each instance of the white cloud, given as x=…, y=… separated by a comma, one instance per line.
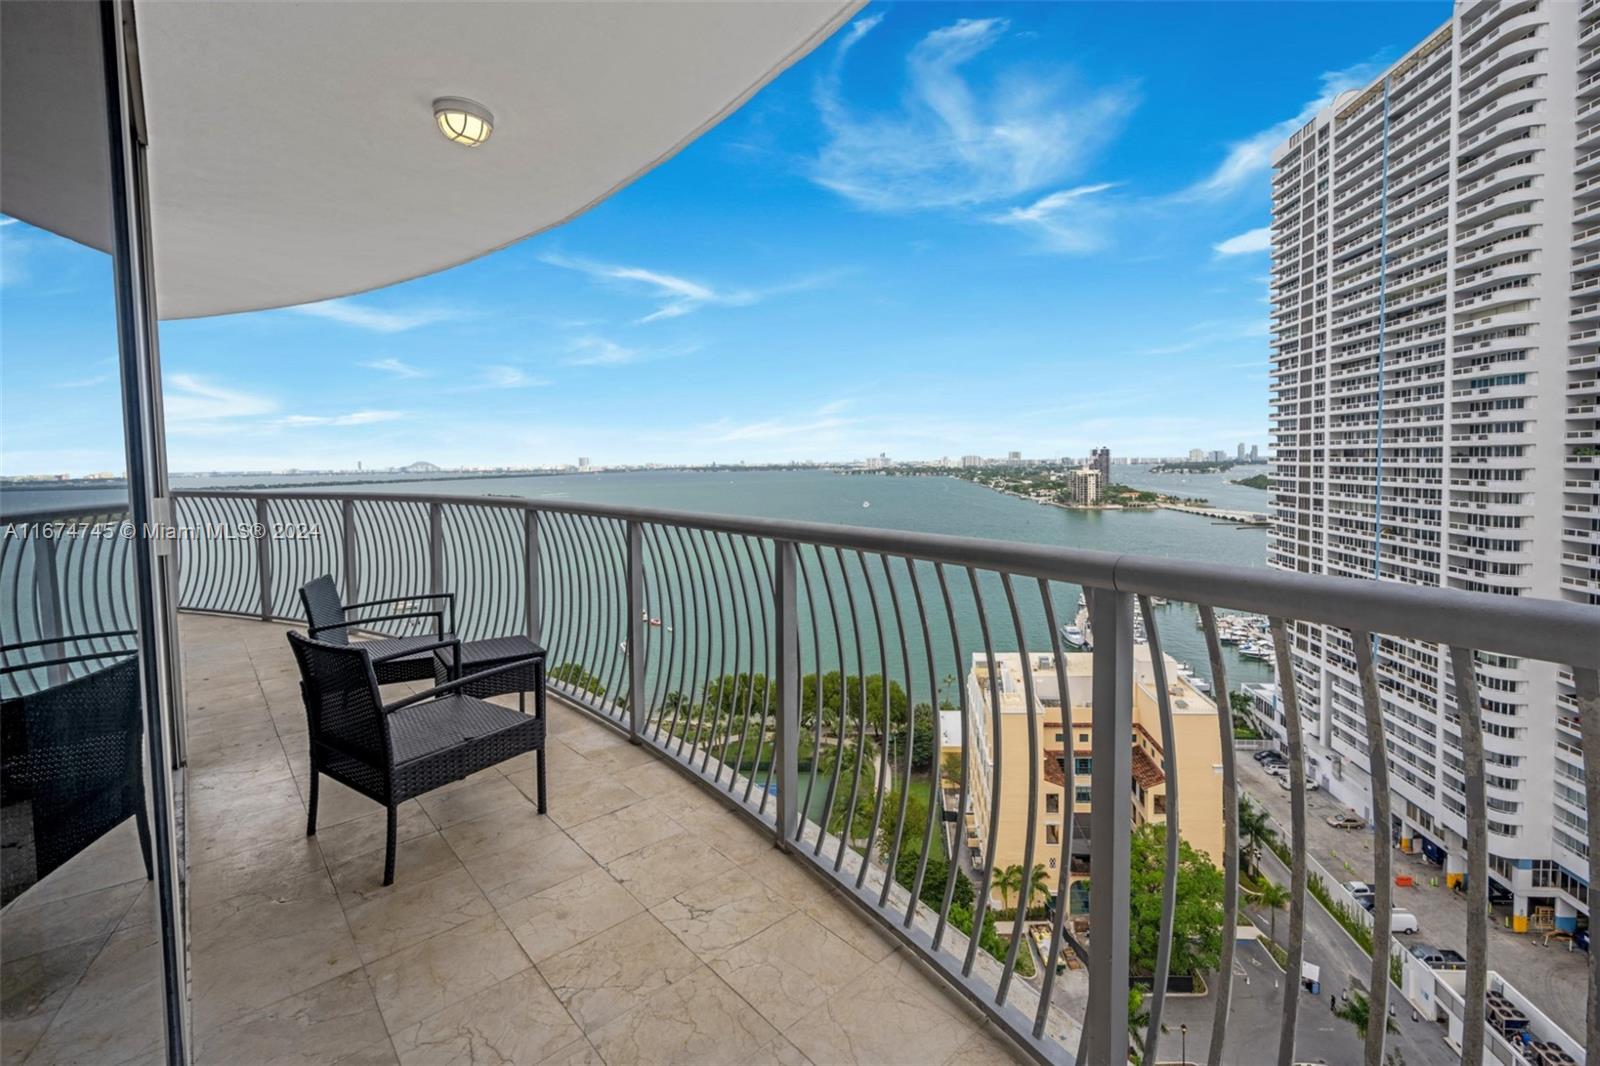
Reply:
x=82, y=383
x=395, y=367
x=1250, y=158
x=191, y=401
x=1211, y=334
x=679, y=296
x=1070, y=220
x=349, y=313
x=597, y=351
x=354, y=418
x=1256, y=240
x=509, y=377
x=954, y=143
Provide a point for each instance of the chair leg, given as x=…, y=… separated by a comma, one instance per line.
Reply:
x=311, y=815
x=142, y=820
x=538, y=761
x=388, y=855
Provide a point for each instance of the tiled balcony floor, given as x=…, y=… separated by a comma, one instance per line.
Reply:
x=639, y=922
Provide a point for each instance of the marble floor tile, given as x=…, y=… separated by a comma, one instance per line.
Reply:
x=697, y=1019
x=506, y=876
x=26, y=930
x=411, y=911
x=328, y=1023
x=470, y=801
x=516, y=825
x=879, y=1017
x=517, y=1021
x=789, y=969
x=667, y=867
x=552, y=920
x=614, y=835
x=617, y=970
x=425, y=978
x=716, y=914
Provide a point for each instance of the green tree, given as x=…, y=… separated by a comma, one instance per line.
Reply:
x=1008, y=882
x=1197, y=926
x=1138, y=1023
x=1255, y=830
x=1272, y=897
x=575, y=675
x=1355, y=1008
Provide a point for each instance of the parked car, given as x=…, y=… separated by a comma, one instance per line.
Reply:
x=1267, y=755
x=1402, y=921
x=1439, y=958
x=1499, y=895
x=1363, y=893
x=1277, y=769
x=1581, y=938
x=1348, y=820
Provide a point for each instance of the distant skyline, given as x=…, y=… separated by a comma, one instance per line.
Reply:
x=951, y=229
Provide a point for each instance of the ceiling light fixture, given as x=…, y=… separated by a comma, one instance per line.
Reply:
x=464, y=122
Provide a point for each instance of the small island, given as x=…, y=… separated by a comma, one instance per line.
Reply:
x=1048, y=483
x=1255, y=481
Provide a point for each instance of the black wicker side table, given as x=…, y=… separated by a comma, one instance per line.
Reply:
x=477, y=655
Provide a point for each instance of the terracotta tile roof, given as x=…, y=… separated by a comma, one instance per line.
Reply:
x=1145, y=770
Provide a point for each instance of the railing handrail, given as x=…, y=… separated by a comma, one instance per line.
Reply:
x=1526, y=627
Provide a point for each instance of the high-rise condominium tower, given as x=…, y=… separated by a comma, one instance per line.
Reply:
x=1436, y=298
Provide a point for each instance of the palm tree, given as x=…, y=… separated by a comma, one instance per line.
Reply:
x=1038, y=885
x=1138, y=1023
x=1272, y=897
x=1356, y=1009
x=1008, y=881
x=1255, y=828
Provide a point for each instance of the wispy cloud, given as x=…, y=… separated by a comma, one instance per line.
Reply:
x=1070, y=220
x=509, y=377
x=188, y=400
x=395, y=367
x=354, y=418
x=82, y=383
x=1249, y=159
x=1251, y=241
x=592, y=350
x=953, y=142
x=677, y=295
x=380, y=320
x=1202, y=335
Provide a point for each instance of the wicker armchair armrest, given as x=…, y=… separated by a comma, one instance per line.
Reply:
x=353, y=623
x=451, y=686
x=449, y=597
x=453, y=643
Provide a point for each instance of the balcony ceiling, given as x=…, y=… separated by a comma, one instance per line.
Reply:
x=294, y=157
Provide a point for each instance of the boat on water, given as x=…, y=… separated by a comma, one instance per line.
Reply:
x=1074, y=636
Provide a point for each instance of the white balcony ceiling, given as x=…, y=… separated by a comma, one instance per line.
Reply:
x=294, y=156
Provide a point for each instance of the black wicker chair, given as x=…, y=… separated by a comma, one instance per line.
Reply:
x=392, y=753
x=328, y=619
x=71, y=757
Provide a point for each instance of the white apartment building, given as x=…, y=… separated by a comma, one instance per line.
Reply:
x=1435, y=304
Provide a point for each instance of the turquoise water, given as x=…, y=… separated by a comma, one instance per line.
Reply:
x=926, y=504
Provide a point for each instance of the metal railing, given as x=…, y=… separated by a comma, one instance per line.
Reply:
x=801, y=671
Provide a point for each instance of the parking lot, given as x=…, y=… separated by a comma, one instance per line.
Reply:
x=1553, y=977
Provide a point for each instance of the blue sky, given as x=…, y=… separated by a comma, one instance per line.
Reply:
x=951, y=229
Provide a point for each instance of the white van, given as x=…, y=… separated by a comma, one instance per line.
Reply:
x=1402, y=921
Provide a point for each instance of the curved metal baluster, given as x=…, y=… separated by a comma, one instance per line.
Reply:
x=861, y=728
x=1169, y=880
x=764, y=590
x=1586, y=680
x=888, y=722
x=614, y=628
x=1230, y=825
x=681, y=643
x=838, y=739
x=702, y=639
x=1297, y=829
x=935, y=799
x=1032, y=832
x=1064, y=880
x=750, y=685
x=954, y=868
x=562, y=653
x=1383, y=887
x=1468, y=710
x=816, y=712
x=616, y=547
x=715, y=590
x=980, y=906
x=731, y=678
x=587, y=605
x=666, y=633
x=911, y=736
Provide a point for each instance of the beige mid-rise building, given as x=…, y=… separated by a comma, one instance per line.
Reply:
x=1063, y=740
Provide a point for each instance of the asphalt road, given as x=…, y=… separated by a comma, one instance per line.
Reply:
x=1552, y=977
